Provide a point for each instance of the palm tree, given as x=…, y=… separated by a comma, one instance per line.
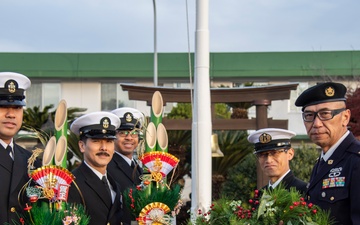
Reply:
x=180, y=140
x=35, y=118
x=39, y=123
x=235, y=147
x=240, y=109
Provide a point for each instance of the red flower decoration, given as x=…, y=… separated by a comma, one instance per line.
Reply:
x=27, y=208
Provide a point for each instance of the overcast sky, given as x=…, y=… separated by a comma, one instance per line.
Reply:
x=128, y=25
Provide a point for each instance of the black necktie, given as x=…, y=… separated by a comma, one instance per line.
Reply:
x=132, y=164
x=105, y=181
x=8, y=162
x=320, y=164
x=8, y=150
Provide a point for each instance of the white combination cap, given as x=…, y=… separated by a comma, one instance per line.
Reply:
x=271, y=139
x=130, y=118
x=96, y=125
x=12, y=88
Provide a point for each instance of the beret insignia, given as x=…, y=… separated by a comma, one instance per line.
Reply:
x=329, y=92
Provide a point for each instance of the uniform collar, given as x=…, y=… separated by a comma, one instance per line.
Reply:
x=331, y=150
x=126, y=158
x=274, y=185
x=97, y=173
x=5, y=145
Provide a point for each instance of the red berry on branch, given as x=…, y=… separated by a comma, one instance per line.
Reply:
x=296, y=203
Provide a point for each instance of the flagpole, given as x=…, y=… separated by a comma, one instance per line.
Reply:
x=201, y=171
x=155, y=48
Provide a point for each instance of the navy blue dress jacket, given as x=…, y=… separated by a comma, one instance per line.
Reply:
x=336, y=186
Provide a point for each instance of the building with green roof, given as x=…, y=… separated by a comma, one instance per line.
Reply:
x=92, y=80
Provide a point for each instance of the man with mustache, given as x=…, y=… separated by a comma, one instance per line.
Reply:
x=274, y=152
x=101, y=194
x=13, y=158
x=124, y=167
x=334, y=182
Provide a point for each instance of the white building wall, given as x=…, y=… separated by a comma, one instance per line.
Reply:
x=82, y=95
x=296, y=123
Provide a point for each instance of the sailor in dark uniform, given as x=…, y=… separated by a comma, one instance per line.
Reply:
x=274, y=152
x=101, y=194
x=124, y=167
x=13, y=158
x=335, y=179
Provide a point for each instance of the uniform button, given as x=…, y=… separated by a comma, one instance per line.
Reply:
x=323, y=194
x=12, y=209
x=332, y=198
x=308, y=198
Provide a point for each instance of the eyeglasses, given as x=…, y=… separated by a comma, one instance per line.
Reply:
x=272, y=153
x=322, y=114
x=125, y=133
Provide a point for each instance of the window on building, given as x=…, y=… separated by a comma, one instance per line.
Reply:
x=295, y=94
x=51, y=94
x=43, y=94
x=112, y=97
x=33, y=96
x=108, y=96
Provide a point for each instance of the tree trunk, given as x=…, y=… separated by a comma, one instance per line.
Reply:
x=217, y=182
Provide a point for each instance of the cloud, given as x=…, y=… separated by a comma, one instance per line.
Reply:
x=128, y=26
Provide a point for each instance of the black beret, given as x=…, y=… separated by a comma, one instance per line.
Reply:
x=320, y=93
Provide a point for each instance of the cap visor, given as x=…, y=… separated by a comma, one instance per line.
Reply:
x=15, y=102
x=101, y=136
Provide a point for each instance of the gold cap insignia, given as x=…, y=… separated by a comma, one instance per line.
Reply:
x=105, y=123
x=128, y=117
x=265, y=138
x=329, y=92
x=11, y=87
